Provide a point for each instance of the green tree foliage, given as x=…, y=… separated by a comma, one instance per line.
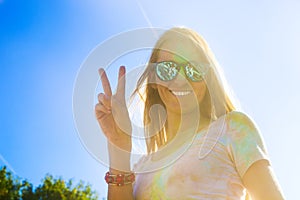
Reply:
x=9, y=187
x=12, y=188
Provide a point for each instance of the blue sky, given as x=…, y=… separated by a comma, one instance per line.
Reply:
x=44, y=43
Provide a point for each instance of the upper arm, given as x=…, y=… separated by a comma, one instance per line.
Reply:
x=261, y=182
x=248, y=152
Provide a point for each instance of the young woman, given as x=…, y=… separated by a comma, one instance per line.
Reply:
x=199, y=145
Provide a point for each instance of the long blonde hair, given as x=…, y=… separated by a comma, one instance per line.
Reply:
x=217, y=101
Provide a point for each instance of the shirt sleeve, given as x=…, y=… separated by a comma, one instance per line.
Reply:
x=245, y=143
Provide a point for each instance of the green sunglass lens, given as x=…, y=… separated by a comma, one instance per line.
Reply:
x=193, y=73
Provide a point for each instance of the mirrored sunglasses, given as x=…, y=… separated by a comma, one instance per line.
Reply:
x=168, y=70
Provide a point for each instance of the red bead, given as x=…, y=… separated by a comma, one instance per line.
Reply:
x=108, y=178
x=130, y=178
x=120, y=179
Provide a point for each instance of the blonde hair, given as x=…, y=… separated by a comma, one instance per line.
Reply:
x=217, y=101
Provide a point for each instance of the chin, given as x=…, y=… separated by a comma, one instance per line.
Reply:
x=188, y=109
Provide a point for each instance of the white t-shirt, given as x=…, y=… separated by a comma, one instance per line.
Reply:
x=211, y=168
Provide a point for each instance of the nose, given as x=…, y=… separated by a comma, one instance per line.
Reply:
x=181, y=79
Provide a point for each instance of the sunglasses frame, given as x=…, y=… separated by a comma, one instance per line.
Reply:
x=177, y=70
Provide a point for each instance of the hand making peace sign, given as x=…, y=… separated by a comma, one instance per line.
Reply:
x=112, y=113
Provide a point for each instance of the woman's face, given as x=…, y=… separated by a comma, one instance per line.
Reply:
x=181, y=95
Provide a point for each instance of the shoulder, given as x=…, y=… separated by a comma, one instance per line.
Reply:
x=244, y=141
x=241, y=127
x=237, y=120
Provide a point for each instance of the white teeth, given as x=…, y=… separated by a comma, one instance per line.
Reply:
x=181, y=93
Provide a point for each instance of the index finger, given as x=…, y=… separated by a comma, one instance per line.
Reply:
x=105, y=82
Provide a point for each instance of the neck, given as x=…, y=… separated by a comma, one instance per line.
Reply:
x=178, y=122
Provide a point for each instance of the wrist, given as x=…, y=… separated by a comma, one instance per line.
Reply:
x=119, y=159
x=119, y=179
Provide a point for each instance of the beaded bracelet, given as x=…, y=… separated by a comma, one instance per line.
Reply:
x=119, y=179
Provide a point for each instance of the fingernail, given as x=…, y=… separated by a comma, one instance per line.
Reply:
x=122, y=67
x=100, y=70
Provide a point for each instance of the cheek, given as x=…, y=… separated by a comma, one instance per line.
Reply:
x=200, y=90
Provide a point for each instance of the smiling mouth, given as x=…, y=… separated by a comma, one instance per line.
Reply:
x=181, y=93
